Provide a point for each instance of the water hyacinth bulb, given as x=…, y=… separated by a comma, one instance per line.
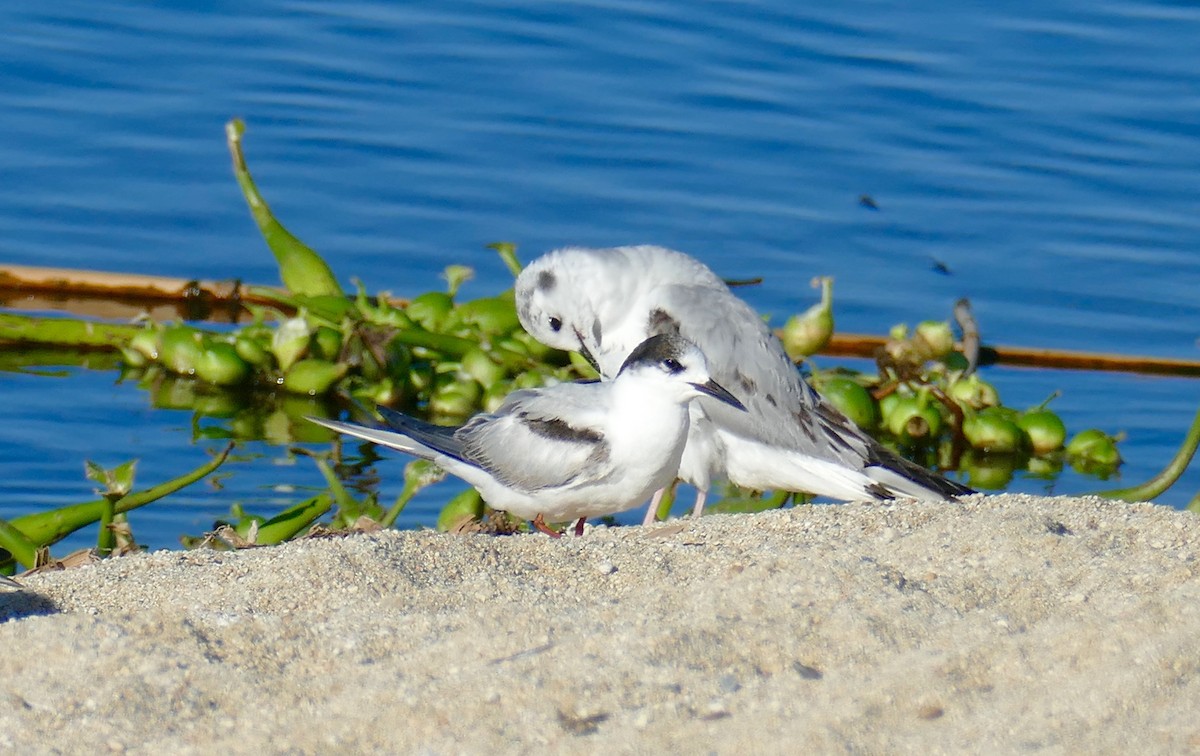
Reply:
x=934, y=339
x=290, y=342
x=853, y=400
x=1094, y=447
x=1046, y=468
x=888, y=402
x=221, y=365
x=580, y=363
x=221, y=404
x=993, y=432
x=912, y=418
x=536, y=349
x=179, y=349
x=808, y=332
x=991, y=472
x=327, y=343
x=494, y=316
x=534, y=379
x=312, y=377
x=142, y=348
x=478, y=365
x=420, y=377
x=457, y=399
x=175, y=393
x=466, y=506
x=253, y=350
x=385, y=391
x=974, y=392
x=495, y=394
x=1045, y=430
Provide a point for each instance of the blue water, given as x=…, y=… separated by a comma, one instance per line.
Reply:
x=1047, y=155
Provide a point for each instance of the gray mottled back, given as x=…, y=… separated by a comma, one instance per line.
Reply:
x=618, y=297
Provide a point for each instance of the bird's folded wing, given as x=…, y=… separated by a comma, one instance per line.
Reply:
x=784, y=411
x=538, y=441
x=746, y=358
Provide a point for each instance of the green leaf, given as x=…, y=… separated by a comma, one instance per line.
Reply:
x=45, y=528
x=302, y=270
x=508, y=253
x=115, y=482
x=456, y=276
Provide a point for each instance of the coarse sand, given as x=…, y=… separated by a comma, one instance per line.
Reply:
x=1000, y=624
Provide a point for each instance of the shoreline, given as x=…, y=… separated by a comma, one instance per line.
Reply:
x=1002, y=623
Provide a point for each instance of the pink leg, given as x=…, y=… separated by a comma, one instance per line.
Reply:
x=541, y=525
x=652, y=512
x=701, y=496
x=579, y=526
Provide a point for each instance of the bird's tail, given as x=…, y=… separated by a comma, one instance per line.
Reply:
x=898, y=476
x=381, y=436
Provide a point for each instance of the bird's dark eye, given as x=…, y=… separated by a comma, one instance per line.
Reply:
x=555, y=325
x=672, y=365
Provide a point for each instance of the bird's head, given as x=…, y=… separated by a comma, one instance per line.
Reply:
x=555, y=310
x=677, y=367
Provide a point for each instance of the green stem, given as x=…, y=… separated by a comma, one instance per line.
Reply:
x=508, y=253
x=451, y=346
x=1165, y=479
x=398, y=506
x=18, y=545
x=105, y=539
x=347, y=503
x=45, y=528
x=411, y=487
x=64, y=332
x=327, y=309
x=291, y=521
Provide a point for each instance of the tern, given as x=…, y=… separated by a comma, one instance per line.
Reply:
x=573, y=450
x=602, y=302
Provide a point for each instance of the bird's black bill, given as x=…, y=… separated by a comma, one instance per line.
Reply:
x=717, y=391
x=587, y=354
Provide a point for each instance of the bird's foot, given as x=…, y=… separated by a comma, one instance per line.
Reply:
x=579, y=526
x=540, y=523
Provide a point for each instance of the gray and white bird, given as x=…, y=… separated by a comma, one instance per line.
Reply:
x=602, y=302
x=573, y=450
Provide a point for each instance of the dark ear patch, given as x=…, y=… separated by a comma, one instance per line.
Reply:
x=654, y=350
x=662, y=322
x=546, y=281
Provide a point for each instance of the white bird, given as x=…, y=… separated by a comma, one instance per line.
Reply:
x=573, y=450
x=602, y=302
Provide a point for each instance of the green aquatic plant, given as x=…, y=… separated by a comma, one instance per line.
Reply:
x=313, y=349
x=24, y=540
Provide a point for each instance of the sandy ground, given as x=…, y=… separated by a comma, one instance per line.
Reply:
x=1007, y=623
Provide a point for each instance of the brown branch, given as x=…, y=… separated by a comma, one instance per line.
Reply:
x=862, y=345
x=126, y=295
x=121, y=295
